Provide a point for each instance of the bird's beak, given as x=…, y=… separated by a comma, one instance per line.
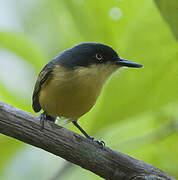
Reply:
x=123, y=62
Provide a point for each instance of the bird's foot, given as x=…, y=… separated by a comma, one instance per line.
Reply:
x=100, y=142
x=44, y=117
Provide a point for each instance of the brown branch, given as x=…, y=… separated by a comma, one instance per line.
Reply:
x=62, y=142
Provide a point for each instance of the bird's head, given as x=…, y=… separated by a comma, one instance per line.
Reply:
x=88, y=54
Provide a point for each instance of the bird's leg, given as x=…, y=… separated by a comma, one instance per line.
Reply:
x=43, y=117
x=86, y=134
x=82, y=130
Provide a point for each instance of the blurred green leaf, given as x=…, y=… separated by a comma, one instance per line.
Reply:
x=24, y=47
x=9, y=147
x=135, y=91
x=37, y=167
x=169, y=11
x=29, y=51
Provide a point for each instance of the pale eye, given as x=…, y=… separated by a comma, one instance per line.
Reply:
x=99, y=56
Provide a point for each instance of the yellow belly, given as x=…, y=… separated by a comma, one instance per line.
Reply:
x=67, y=101
x=71, y=94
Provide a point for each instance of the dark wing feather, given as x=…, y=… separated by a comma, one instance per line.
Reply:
x=42, y=77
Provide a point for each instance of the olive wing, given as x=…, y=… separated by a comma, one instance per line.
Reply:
x=45, y=73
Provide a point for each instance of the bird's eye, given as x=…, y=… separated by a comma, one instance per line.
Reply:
x=99, y=56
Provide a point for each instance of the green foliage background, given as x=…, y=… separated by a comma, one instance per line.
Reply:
x=137, y=111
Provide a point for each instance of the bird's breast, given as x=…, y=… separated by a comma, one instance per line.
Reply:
x=72, y=93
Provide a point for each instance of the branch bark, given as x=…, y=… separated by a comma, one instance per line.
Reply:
x=77, y=149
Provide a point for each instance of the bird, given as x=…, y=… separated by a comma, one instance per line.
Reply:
x=69, y=85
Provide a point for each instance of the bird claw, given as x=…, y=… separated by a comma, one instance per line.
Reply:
x=44, y=117
x=42, y=120
x=100, y=142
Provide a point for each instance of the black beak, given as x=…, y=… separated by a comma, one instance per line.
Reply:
x=123, y=62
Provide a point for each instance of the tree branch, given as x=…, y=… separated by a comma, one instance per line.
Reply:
x=77, y=149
